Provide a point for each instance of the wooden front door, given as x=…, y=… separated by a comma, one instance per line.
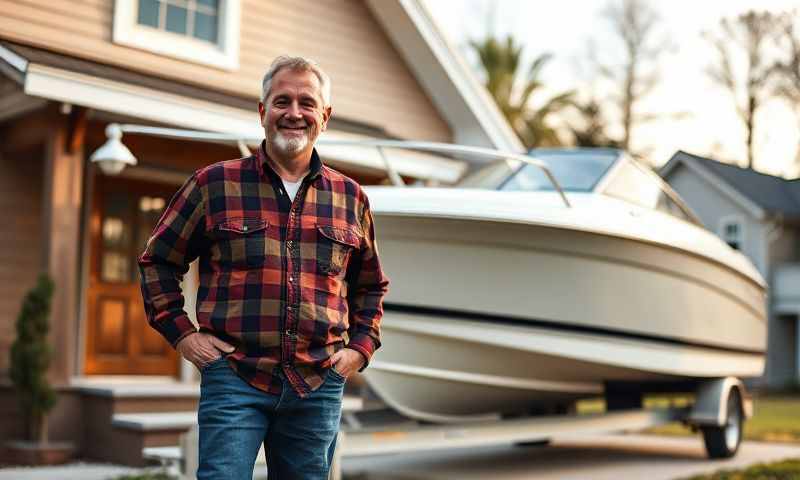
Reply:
x=118, y=339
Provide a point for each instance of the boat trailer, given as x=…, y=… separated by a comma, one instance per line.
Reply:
x=719, y=410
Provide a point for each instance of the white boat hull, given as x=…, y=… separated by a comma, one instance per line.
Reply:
x=488, y=316
x=451, y=369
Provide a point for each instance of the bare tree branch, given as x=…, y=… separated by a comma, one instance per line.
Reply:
x=748, y=36
x=636, y=24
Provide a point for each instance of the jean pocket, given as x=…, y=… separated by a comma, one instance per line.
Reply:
x=336, y=375
x=213, y=363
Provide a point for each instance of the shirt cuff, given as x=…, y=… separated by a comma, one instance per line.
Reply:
x=364, y=345
x=176, y=330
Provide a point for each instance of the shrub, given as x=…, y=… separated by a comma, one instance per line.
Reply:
x=30, y=358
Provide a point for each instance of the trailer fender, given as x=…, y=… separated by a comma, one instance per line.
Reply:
x=711, y=402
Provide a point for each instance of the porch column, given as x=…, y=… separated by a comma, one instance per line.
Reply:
x=189, y=286
x=63, y=180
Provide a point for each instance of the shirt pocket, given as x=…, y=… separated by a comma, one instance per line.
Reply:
x=335, y=245
x=241, y=242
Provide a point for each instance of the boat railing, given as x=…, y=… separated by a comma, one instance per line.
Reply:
x=447, y=148
x=379, y=145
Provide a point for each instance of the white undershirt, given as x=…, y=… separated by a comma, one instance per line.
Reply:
x=291, y=187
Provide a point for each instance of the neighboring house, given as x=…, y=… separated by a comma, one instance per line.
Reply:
x=759, y=215
x=69, y=68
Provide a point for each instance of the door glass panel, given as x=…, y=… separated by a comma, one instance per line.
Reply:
x=116, y=239
x=147, y=214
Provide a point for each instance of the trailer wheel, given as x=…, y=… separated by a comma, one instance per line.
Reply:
x=723, y=441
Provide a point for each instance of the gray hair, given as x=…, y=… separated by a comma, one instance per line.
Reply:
x=296, y=63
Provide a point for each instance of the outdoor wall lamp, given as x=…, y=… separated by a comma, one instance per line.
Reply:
x=113, y=156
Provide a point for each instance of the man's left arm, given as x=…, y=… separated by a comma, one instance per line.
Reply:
x=367, y=287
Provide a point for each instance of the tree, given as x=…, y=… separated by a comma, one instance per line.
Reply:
x=513, y=92
x=747, y=79
x=635, y=23
x=30, y=359
x=788, y=68
x=590, y=128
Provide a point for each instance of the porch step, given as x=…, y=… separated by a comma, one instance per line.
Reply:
x=151, y=422
x=124, y=416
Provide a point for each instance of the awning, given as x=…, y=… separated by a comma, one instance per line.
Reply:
x=109, y=91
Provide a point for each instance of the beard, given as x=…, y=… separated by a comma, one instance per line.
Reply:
x=289, y=146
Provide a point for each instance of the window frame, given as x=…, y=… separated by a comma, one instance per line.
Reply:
x=224, y=54
x=726, y=220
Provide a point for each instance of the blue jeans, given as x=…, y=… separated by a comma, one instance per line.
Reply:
x=235, y=419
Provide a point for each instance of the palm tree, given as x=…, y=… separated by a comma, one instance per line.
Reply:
x=502, y=62
x=590, y=128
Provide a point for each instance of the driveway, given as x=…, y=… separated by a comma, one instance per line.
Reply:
x=607, y=457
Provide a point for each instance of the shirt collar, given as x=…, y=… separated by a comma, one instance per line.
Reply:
x=265, y=167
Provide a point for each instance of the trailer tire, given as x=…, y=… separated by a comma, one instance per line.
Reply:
x=723, y=441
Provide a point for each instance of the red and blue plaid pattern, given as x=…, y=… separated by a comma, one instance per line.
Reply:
x=288, y=283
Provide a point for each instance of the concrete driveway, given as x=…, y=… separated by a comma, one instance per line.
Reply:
x=597, y=458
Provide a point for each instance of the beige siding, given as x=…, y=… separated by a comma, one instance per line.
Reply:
x=20, y=255
x=371, y=83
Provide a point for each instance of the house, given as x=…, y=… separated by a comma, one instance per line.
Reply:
x=69, y=68
x=759, y=215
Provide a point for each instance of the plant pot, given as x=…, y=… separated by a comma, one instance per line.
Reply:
x=35, y=453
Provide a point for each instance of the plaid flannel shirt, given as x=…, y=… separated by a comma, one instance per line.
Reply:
x=288, y=283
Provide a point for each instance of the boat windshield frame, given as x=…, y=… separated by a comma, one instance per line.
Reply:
x=541, y=154
x=601, y=188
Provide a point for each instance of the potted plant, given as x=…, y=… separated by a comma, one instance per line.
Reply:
x=30, y=360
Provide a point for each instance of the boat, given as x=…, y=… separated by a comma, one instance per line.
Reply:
x=543, y=279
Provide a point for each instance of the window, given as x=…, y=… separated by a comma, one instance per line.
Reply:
x=201, y=31
x=731, y=229
x=193, y=18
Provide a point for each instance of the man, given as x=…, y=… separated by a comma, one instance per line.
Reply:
x=291, y=289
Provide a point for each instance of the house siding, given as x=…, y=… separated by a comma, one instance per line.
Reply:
x=371, y=83
x=711, y=205
x=21, y=256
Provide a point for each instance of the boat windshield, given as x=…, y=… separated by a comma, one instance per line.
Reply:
x=575, y=170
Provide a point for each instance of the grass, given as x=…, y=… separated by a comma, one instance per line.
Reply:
x=783, y=470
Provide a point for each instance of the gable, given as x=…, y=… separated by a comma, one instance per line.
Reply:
x=705, y=199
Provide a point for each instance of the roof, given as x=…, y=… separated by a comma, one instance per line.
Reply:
x=773, y=194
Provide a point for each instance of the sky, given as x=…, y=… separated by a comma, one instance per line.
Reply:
x=700, y=115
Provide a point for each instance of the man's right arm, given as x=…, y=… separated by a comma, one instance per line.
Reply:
x=177, y=240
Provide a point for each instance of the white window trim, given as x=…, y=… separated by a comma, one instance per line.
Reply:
x=224, y=55
x=727, y=220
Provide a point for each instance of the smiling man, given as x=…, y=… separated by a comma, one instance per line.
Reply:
x=291, y=288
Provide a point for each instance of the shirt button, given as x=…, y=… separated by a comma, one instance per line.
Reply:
x=244, y=228
x=288, y=333
x=291, y=279
x=289, y=244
